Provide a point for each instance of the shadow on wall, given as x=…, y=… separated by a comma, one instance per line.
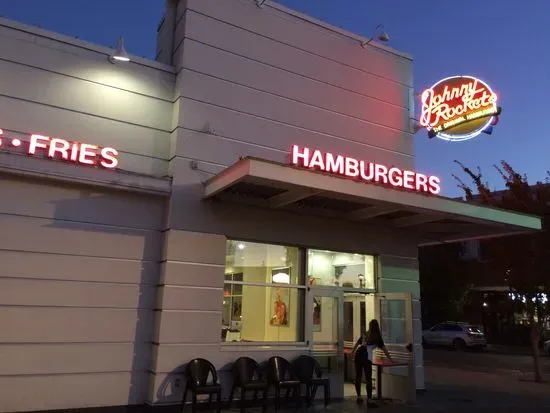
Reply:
x=172, y=387
x=149, y=275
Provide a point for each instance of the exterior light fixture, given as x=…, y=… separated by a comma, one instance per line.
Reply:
x=120, y=55
x=383, y=36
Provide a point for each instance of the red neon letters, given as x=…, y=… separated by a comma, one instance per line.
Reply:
x=61, y=149
x=365, y=171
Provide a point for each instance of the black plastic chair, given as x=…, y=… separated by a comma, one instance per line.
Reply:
x=248, y=376
x=308, y=371
x=281, y=376
x=202, y=379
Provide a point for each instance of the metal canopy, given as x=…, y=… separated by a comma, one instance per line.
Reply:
x=435, y=219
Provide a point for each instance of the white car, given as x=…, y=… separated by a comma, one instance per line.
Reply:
x=457, y=335
x=547, y=348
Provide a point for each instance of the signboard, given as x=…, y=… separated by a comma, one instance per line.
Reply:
x=364, y=171
x=459, y=108
x=63, y=150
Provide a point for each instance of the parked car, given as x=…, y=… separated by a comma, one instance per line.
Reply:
x=547, y=348
x=457, y=335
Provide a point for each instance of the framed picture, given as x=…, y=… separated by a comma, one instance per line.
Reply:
x=280, y=297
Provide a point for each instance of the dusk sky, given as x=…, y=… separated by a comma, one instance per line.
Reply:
x=505, y=43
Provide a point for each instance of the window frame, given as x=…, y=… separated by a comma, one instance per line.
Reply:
x=263, y=345
x=376, y=264
x=303, y=259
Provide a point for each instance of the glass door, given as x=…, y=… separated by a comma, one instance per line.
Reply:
x=394, y=312
x=326, y=332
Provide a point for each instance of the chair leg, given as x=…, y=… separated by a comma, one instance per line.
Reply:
x=277, y=398
x=231, y=394
x=184, y=398
x=243, y=394
x=210, y=397
x=308, y=395
x=265, y=399
x=194, y=403
x=219, y=402
x=326, y=391
x=297, y=398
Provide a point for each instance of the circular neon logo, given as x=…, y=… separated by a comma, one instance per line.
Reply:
x=459, y=108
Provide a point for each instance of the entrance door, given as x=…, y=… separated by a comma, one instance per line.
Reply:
x=394, y=312
x=327, y=345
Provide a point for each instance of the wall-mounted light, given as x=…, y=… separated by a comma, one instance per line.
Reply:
x=383, y=36
x=241, y=246
x=120, y=55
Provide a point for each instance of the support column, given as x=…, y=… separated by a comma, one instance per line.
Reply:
x=188, y=310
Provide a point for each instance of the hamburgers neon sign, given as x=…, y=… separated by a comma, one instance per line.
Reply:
x=363, y=171
x=62, y=150
x=459, y=108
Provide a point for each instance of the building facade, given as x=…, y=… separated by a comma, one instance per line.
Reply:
x=157, y=211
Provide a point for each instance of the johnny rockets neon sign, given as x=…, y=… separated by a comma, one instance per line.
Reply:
x=61, y=149
x=459, y=108
x=364, y=171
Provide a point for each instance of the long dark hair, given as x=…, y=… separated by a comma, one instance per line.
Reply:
x=374, y=335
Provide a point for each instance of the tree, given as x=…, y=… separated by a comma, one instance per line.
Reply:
x=442, y=300
x=520, y=261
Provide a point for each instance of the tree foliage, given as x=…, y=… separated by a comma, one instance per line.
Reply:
x=520, y=261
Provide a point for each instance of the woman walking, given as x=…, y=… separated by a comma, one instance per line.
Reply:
x=362, y=354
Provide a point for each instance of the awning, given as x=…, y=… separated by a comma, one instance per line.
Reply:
x=266, y=184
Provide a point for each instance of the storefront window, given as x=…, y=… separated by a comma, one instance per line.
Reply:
x=264, y=293
x=341, y=269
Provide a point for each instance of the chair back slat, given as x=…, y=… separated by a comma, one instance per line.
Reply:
x=279, y=369
x=246, y=370
x=305, y=367
x=200, y=372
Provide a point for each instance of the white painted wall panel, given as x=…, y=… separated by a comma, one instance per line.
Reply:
x=172, y=356
x=195, y=247
x=63, y=237
x=26, y=118
x=270, y=23
x=221, y=150
x=72, y=325
x=269, y=109
x=194, y=275
x=81, y=63
x=189, y=298
x=40, y=86
x=69, y=358
x=23, y=264
x=345, y=99
x=36, y=293
x=232, y=96
x=189, y=326
x=80, y=272
x=46, y=200
x=77, y=390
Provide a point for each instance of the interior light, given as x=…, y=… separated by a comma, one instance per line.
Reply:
x=281, y=278
x=241, y=246
x=120, y=55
